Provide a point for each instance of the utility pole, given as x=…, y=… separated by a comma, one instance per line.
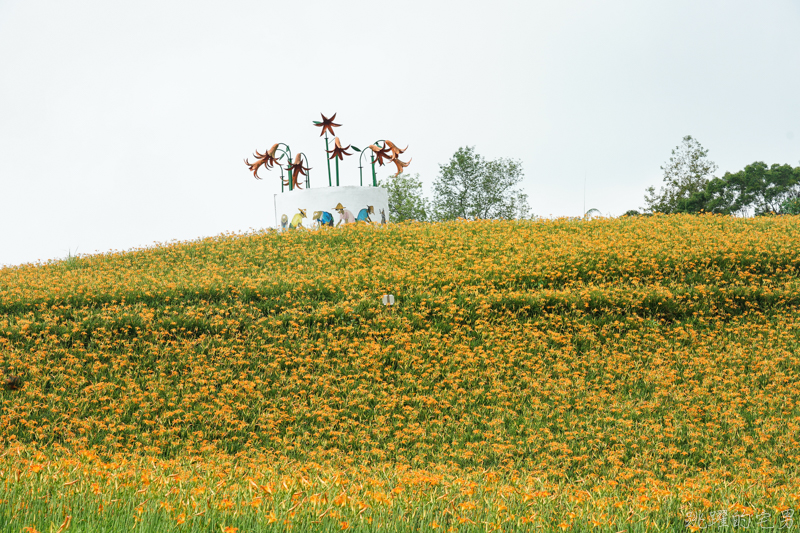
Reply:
x=584, y=193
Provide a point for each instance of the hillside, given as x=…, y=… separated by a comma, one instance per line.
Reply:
x=650, y=363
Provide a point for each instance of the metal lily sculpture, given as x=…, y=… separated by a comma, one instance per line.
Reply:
x=381, y=155
x=382, y=151
x=338, y=153
x=267, y=160
x=294, y=168
x=327, y=125
x=280, y=155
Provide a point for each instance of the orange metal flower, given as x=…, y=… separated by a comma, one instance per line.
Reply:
x=327, y=124
x=338, y=151
x=266, y=160
x=400, y=165
x=395, y=150
x=297, y=169
x=381, y=154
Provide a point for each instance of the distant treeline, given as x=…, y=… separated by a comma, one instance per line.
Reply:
x=690, y=187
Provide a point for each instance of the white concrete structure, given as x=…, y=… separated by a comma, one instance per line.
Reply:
x=325, y=199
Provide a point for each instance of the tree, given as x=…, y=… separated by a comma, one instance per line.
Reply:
x=406, y=201
x=791, y=207
x=471, y=187
x=686, y=176
x=774, y=187
x=760, y=188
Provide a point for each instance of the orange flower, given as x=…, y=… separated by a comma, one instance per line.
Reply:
x=267, y=160
x=65, y=524
x=326, y=124
x=400, y=165
x=381, y=154
x=226, y=504
x=394, y=149
x=338, y=151
x=298, y=170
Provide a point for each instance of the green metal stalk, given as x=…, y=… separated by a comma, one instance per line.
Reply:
x=374, y=177
x=287, y=153
x=329, y=161
x=308, y=172
x=337, y=171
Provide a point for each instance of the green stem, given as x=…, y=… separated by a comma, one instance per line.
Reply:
x=287, y=153
x=337, y=171
x=329, y=161
x=374, y=177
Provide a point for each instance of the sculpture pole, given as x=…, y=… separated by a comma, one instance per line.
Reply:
x=287, y=152
x=329, y=162
x=382, y=155
x=327, y=125
x=387, y=152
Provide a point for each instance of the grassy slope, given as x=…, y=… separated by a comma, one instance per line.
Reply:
x=658, y=351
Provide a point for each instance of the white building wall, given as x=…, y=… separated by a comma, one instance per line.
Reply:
x=353, y=198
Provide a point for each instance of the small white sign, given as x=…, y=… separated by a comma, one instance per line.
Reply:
x=388, y=299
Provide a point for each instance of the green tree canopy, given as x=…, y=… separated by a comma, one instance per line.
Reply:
x=686, y=176
x=791, y=207
x=757, y=189
x=406, y=201
x=470, y=187
x=760, y=188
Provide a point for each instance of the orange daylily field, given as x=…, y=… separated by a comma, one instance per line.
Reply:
x=631, y=374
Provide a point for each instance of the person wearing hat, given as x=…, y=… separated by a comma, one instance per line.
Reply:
x=323, y=218
x=344, y=215
x=364, y=214
x=297, y=220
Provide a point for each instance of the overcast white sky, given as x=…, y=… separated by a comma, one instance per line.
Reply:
x=125, y=123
